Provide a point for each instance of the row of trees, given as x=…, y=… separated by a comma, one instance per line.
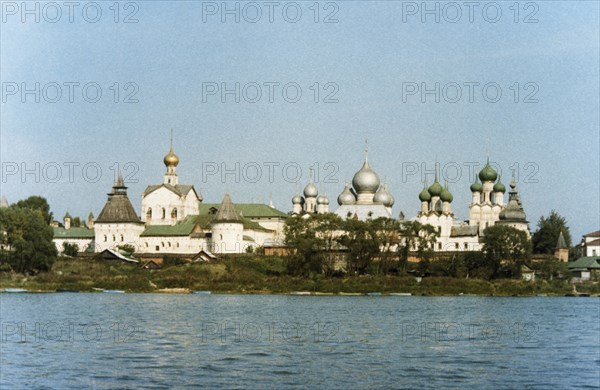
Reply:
x=26, y=237
x=384, y=246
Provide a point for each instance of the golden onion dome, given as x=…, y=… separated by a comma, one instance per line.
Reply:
x=171, y=159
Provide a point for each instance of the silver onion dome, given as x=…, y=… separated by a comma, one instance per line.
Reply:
x=297, y=199
x=366, y=179
x=346, y=197
x=310, y=191
x=391, y=200
x=383, y=196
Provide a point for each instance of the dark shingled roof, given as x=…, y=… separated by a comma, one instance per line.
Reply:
x=227, y=212
x=561, y=244
x=461, y=231
x=118, y=208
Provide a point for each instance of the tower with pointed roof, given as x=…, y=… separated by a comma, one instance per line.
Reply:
x=118, y=223
x=561, y=252
x=227, y=229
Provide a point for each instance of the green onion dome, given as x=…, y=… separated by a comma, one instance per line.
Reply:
x=488, y=173
x=499, y=187
x=446, y=196
x=424, y=196
x=476, y=186
x=436, y=188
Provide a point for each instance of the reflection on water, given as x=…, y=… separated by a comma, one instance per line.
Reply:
x=245, y=341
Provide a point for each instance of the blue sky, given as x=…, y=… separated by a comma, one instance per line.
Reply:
x=369, y=55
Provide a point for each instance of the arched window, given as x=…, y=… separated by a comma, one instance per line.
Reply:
x=105, y=238
x=149, y=214
x=163, y=244
x=122, y=238
x=114, y=238
x=168, y=243
x=177, y=245
x=164, y=213
x=174, y=213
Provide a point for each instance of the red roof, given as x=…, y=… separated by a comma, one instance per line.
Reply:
x=593, y=234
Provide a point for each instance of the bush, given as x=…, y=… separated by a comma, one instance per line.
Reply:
x=70, y=249
x=169, y=261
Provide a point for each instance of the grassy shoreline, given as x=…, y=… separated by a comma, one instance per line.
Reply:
x=265, y=276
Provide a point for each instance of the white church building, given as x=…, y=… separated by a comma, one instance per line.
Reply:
x=174, y=220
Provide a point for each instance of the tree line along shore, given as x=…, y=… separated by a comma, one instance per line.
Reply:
x=255, y=274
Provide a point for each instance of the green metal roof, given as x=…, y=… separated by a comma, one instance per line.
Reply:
x=74, y=232
x=186, y=227
x=247, y=210
x=181, y=228
x=589, y=262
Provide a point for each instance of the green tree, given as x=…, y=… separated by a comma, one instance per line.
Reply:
x=300, y=235
x=544, y=239
x=70, y=249
x=327, y=228
x=27, y=239
x=37, y=203
x=387, y=231
x=505, y=248
x=418, y=238
x=360, y=237
x=551, y=268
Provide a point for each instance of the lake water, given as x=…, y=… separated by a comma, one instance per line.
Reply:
x=151, y=341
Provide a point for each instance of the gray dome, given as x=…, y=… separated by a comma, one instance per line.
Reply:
x=391, y=202
x=366, y=180
x=297, y=199
x=346, y=197
x=383, y=196
x=321, y=199
x=310, y=191
x=513, y=213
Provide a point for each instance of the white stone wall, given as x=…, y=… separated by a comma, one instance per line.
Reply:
x=82, y=243
x=173, y=244
x=111, y=235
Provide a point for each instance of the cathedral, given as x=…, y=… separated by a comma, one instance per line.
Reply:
x=174, y=220
x=367, y=199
